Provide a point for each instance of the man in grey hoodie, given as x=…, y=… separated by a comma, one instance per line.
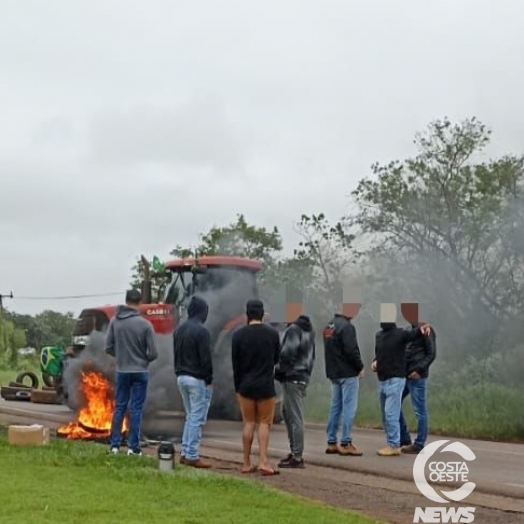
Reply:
x=131, y=340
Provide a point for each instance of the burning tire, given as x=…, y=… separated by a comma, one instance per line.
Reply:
x=34, y=379
x=15, y=393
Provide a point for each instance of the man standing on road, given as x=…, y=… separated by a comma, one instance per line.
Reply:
x=294, y=371
x=194, y=371
x=131, y=340
x=344, y=368
x=390, y=366
x=255, y=352
x=420, y=354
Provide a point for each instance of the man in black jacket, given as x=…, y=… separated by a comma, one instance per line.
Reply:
x=344, y=368
x=420, y=354
x=194, y=371
x=390, y=366
x=294, y=371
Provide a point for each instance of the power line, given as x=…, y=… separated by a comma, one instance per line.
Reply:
x=70, y=297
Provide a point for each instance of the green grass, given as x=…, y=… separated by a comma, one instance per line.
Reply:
x=9, y=375
x=488, y=412
x=77, y=482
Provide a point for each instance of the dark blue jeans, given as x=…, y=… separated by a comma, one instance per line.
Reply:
x=131, y=389
x=417, y=389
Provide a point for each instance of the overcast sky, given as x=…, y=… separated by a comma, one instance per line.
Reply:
x=130, y=126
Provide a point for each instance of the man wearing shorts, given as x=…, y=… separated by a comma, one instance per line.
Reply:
x=255, y=351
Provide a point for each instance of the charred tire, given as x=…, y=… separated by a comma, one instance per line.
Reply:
x=48, y=380
x=34, y=379
x=12, y=393
x=44, y=397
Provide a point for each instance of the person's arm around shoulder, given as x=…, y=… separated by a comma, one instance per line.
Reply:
x=110, y=339
x=410, y=335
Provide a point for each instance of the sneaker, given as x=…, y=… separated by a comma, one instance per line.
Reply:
x=133, y=452
x=388, y=451
x=114, y=451
x=332, y=449
x=411, y=450
x=198, y=463
x=349, y=450
x=292, y=462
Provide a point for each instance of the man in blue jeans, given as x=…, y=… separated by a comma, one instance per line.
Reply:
x=344, y=368
x=420, y=354
x=390, y=366
x=131, y=340
x=194, y=371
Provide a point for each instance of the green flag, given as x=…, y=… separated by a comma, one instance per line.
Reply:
x=51, y=360
x=158, y=267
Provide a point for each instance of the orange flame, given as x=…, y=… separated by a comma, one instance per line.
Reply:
x=94, y=419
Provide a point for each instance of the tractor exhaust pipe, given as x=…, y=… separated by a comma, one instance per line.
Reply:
x=146, y=284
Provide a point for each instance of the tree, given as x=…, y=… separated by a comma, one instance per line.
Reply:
x=240, y=239
x=460, y=216
x=54, y=328
x=327, y=251
x=11, y=340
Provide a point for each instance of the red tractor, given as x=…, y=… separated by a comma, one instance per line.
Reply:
x=226, y=283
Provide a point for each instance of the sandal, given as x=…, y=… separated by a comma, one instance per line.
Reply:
x=268, y=472
x=252, y=469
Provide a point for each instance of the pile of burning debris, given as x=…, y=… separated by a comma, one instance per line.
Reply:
x=93, y=420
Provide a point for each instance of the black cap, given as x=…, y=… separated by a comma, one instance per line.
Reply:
x=254, y=310
x=133, y=296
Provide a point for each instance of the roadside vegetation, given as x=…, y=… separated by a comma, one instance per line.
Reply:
x=77, y=482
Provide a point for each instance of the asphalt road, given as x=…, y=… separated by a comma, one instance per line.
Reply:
x=498, y=468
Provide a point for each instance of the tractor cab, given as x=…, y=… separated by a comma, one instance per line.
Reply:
x=226, y=283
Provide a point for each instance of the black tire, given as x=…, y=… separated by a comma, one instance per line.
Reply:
x=17, y=385
x=49, y=380
x=34, y=379
x=11, y=393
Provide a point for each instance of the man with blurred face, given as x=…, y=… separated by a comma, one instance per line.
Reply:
x=344, y=368
x=420, y=354
x=390, y=366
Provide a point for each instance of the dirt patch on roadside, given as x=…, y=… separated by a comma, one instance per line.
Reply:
x=377, y=498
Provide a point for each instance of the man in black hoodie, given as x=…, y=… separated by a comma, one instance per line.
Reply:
x=344, y=368
x=194, y=371
x=294, y=371
x=131, y=340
